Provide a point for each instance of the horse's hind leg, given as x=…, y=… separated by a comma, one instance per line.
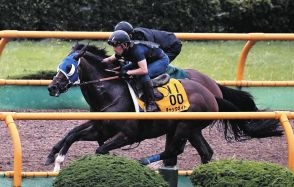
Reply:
x=57, y=147
x=173, y=148
x=172, y=161
x=200, y=144
x=172, y=151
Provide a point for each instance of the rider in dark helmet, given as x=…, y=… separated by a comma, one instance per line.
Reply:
x=148, y=61
x=167, y=41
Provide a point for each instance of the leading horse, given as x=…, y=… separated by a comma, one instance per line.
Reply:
x=84, y=63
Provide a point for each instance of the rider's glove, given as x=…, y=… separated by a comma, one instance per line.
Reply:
x=104, y=63
x=123, y=74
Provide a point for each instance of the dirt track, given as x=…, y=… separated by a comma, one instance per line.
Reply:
x=38, y=137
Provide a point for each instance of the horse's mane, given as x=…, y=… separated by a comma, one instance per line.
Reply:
x=96, y=51
x=91, y=48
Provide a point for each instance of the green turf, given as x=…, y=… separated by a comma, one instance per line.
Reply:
x=218, y=59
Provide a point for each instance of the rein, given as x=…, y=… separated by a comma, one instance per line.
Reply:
x=83, y=53
x=97, y=81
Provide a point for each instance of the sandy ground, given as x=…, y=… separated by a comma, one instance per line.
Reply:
x=38, y=137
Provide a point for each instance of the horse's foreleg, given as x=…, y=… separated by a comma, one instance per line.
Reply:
x=88, y=134
x=117, y=141
x=56, y=148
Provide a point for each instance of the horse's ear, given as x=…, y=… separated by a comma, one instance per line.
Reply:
x=77, y=46
x=80, y=54
x=74, y=47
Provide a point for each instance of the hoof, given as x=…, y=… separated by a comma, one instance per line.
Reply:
x=101, y=152
x=170, y=162
x=49, y=161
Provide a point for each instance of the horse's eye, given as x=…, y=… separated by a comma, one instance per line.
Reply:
x=68, y=68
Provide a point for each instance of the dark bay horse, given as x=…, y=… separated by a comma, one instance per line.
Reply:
x=113, y=96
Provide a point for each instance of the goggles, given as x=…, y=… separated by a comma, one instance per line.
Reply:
x=114, y=44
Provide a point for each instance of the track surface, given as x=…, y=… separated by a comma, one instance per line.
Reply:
x=38, y=137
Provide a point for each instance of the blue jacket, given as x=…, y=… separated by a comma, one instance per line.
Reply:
x=139, y=52
x=166, y=40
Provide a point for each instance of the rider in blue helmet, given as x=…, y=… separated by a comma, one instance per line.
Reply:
x=167, y=41
x=148, y=61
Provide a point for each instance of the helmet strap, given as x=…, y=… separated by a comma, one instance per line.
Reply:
x=125, y=46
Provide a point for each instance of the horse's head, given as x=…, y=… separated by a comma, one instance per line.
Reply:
x=68, y=70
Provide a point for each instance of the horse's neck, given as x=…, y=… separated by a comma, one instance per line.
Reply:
x=112, y=97
x=107, y=96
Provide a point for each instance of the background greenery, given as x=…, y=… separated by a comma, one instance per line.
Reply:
x=172, y=15
x=218, y=59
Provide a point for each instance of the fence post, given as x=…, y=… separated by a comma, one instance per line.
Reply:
x=290, y=139
x=170, y=175
x=17, y=163
x=3, y=42
x=242, y=59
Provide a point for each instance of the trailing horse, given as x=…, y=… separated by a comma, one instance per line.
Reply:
x=84, y=64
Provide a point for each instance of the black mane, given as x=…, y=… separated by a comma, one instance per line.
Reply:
x=92, y=49
x=94, y=56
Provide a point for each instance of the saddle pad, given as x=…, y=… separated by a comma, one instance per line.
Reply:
x=177, y=73
x=175, y=98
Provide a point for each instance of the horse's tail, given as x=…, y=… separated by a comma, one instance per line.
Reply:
x=243, y=100
x=240, y=101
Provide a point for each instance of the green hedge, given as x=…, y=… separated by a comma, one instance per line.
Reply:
x=256, y=15
x=242, y=173
x=94, y=15
x=107, y=171
x=176, y=15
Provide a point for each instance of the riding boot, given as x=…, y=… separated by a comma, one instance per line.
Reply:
x=149, y=97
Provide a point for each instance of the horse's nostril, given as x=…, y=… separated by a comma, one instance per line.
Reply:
x=52, y=87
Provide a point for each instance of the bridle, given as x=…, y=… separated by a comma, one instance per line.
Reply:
x=82, y=53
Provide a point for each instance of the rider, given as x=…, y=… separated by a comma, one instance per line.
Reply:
x=167, y=41
x=147, y=61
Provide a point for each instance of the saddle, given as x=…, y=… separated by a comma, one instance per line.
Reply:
x=170, y=95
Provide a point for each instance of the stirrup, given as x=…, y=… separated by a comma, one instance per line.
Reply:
x=157, y=94
x=161, y=80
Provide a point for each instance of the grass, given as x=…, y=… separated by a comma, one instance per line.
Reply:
x=218, y=59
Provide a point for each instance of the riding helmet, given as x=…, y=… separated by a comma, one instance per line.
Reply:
x=125, y=26
x=118, y=37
